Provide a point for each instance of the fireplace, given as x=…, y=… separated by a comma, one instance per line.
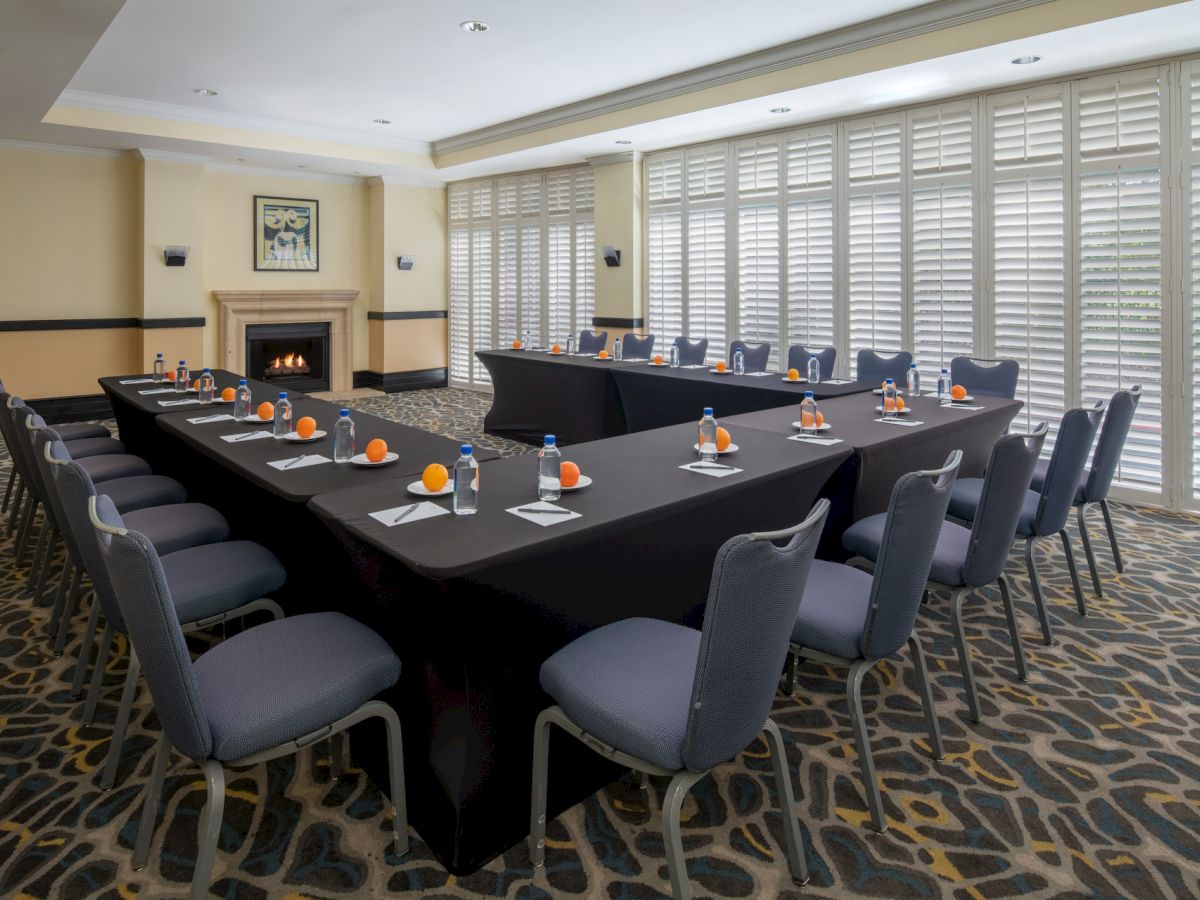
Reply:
x=294, y=355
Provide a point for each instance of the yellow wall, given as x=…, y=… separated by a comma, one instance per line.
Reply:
x=619, y=223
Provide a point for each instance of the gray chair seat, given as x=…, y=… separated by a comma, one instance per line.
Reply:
x=77, y=431
x=865, y=537
x=215, y=578
x=178, y=526
x=113, y=465
x=142, y=491
x=630, y=685
x=1039, y=478
x=833, y=627
x=288, y=678
x=964, y=500
x=94, y=446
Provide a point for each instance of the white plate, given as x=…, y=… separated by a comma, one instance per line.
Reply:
x=418, y=488
x=219, y=400
x=716, y=372
x=797, y=381
x=732, y=448
x=583, y=482
x=294, y=436
x=603, y=358
x=255, y=420
x=552, y=353
x=966, y=399
x=899, y=392
x=361, y=459
x=824, y=426
x=903, y=412
x=661, y=365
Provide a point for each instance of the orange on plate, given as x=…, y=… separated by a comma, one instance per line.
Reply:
x=900, y=403
x=603, y=354
x=170, y=374
x=266, y=410
x=196, y=384
x=228, y=394
x=723, y=440
x=889, y=403
x=376, y=450
x=516, y=345
x=305, y=426
x=806, y=419
x=658, y=359
x=793, y=375
x=434, y=477
x=568, y=476
x=556, y=349
x=720, y=366
x=958, y=392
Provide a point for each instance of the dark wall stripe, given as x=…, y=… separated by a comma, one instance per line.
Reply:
x=392, y=382
x=609, y=322
x=407, y=314
x=56, y=410
x=194, y=322
x=90, y=324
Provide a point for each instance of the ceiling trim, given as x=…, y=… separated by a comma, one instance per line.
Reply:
x=612, y=159
x=151, y=155
x=897, y=26
x=404, y=181
x=178, y=113
x=268, y=172
x=61, y=149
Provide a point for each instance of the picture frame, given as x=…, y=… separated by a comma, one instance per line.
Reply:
x=287, y=234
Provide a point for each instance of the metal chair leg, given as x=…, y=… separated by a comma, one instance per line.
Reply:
x=1013, y=632
x=680, y=784
x=335, y=757
x=141, y=847
x=931, y=719
x=14, y=514
x=40, y=551
x=964, y=655
x=537, y=805
x=643, y=781
x=1112, y=536
x=789, y=674
x=210, y=828
x=1080, y=603
x=117, y=744
x=8, y=490
x=60, y=596
x=1038, y=598
x=26, y=531
x=43, y=578
x=862, y=742
x=64, y=624
x=97, y=683
x=396, y=777
x=787, y=804
x=85, y=649
x=1081, y=519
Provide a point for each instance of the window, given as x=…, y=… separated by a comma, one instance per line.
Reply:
x=522, y=250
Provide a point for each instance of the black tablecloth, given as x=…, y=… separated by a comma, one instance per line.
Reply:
x=652, y=397
x=535, y=394
x=474, y=604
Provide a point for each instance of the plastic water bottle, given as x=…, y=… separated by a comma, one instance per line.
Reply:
x=914, y=381
x=674, y=356
x=571, y=345
x=808, y=414
x=739, y=362
x=181, y=377
x=549, y=470
x=160, y=369
x=283, y=415
x=343, y=438
x=207, y=386
x=814, y=370
x=708, y=436
x=943, y=388
x=466, y=483
x=527, y=340
x=241, y=400
x=888, y=400
x=618, y=353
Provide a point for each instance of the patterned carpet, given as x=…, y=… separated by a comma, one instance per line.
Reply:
x=1085, y=782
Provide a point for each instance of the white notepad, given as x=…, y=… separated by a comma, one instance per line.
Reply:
x=246, y=436
x=422, y=510
x=543, y=519
x=712, y=473
x=823, y=441
x=907, y=423
x=178, y=402
x=138, y=381
x=217, y=417
x=298, y=462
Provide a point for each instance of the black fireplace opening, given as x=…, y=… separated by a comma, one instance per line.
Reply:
x=294, y=356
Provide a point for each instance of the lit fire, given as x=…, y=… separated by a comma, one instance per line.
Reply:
x=291, y=361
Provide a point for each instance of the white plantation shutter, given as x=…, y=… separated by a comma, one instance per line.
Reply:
x=508, y=327
x=706, y=280
x=1120, y=275
x=809, y=224
x=664, y=260
x=585, y=248
x=460, y=286
x=1191, y=132
x=481, y=299
x=758, y=274
x=558, y=280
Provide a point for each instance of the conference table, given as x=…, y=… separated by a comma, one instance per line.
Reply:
x=580, y=398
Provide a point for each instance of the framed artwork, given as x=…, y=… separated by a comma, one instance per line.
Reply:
x=286, y=235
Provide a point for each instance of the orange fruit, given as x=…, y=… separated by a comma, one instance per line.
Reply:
x=603, y=354
x=305, y=426
x=820, y=418
x=806, y=419
x=658, y=359
x=569, y=475
x=170, y=374
x=889, y=403
x=228, y=394
x=376, y=450
x=899, y=403
x=720, y=365
x=723, y=440
x=556, y=349
x=516, y=345
x=196, y=384
x=266, y=410
x=793, y=375
x=434, y=477
x=958, y=392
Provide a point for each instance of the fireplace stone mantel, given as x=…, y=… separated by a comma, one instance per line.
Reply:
x=237, y=309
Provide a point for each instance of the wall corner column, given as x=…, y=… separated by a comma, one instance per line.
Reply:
x=620, y=292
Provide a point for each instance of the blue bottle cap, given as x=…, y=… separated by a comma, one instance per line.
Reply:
x=283, y=395
x=345, y=413
x=912, y=365
x=808, y=395
x=549, y=440
x=183, y=362
x=945, y=371
x=708, y=410
x=241, y=381
x=465, y=449
x=206, y=369
x=888, y=381
x=158, y=356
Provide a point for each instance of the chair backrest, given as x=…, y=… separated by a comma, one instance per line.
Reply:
x=20, y=446
x=872, y=367
x=910, y=533
x=634, y=346
x=691, y=353
x=1117, y=420
x=996, y=379
x=1009, y=472
x=154, y=630
x=592, y=341
x=756, y=356
x=6, y=420
x=1072, y=445
x=41, y=436
x=753, y=600
x=799, y=355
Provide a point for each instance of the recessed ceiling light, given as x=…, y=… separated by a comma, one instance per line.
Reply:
x=623, y=142
x=1025, y=60
x=205, y=92
x=301, y=167
x=472, y=25
x=781, y=109
x=241, y=159
x=382, y=121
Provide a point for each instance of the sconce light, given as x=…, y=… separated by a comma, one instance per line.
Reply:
x=175, y=255
x=404, y=263
x=612, y=257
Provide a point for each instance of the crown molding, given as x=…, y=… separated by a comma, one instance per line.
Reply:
x=178, y=113
x=612, y=159
x=150, y=155
x=292, y=174
x=60, y=149
x=404, y=181
x=908, y=23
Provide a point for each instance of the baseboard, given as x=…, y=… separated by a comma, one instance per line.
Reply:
x=393, y=382
x=56, y=410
